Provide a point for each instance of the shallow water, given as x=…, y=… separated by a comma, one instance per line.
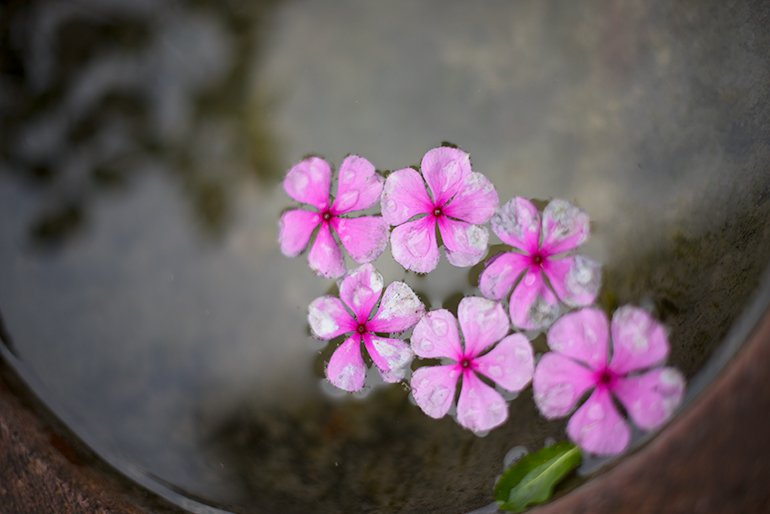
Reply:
x=143, y=144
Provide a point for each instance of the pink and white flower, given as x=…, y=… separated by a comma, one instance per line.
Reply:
x=541, y=249
x=509, y=363
x=351, y=315
x=358, y=187
x=457, y=201
x=581, y=361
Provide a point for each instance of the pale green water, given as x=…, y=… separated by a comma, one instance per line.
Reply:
x=143, y=144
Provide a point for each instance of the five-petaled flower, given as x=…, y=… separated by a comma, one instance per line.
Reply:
x=581, y=361
x=457, y=201
x=508, y=364
x=351, y=314
x=540, y=250
x=358, y=187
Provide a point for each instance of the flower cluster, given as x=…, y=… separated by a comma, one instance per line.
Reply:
x=541, y=281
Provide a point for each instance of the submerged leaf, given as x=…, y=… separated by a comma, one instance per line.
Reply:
x=531, y=480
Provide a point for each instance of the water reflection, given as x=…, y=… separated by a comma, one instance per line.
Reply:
x=130, y=128
x=95, y=92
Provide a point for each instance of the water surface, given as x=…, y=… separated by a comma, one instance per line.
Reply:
x=143, y=144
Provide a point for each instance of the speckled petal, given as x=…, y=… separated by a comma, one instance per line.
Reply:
x=517, y=222
x=358, y=185
x=325, y=257
x=364, y=238
x=581, y=335
x=565, y=227
x=638, y=340
x=404, y=197
x=480, y=408
x=414, y=245
x=294, y=230
x=328, y=318
x=433, y=388
x=576, y=280
x=597, y=426
x=558, y=383
x=651, y=398
x=436, y=336
x=482, y=322
x=399, y=309
x=360, y=290
x=475, y=202
x=533, y=305
x=465, y=244
x=445, y=170
x=346, y=369
x=509, y=364
x=501, y=273
x=391, y=356
x=308, y=182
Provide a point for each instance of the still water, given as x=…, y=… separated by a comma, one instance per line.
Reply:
x=143, y=144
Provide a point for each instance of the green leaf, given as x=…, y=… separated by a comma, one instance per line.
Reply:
x=531, y=480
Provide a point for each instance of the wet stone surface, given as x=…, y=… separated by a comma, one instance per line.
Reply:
x=140, y=165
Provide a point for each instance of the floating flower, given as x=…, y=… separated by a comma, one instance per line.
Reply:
x=457, y=201
x=541, y=250
x=581, y=361
x=351, y=315
x=508, y=364
x=358, y=187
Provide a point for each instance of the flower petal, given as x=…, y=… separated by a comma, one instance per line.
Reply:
x=565, y=227
x=581, y=335
x=501, y=273
x=475, y=202
x=328, y=318
x=517, y=223
x=360, y=290
x=465, y=244
x=365, y=238
x=651, y=398
x=391, y=356
x=294, y=230
x=533, y=305
x=358, y=185
x=404, y=196
x=308, y=182
x=399, y=309
x=558, y=383
x=576, y=280
x=638, y=340
x=433, y=388
x=445, y=170
x=509, y=364
x=597, y=426
x=346, y=368
x=482, y=322
x=325, y=257
x=480, y=408
x=414, y=245
x=436, y=336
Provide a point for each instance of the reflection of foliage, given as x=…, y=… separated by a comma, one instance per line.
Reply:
x=94, y=93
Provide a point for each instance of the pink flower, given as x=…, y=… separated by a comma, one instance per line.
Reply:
x=358, y=187
x=351, y=315
x=508, y=364
x=541, y=250
x=581, y=362
x=457, y=200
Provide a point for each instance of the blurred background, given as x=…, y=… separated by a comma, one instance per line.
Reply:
x=142, y=145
